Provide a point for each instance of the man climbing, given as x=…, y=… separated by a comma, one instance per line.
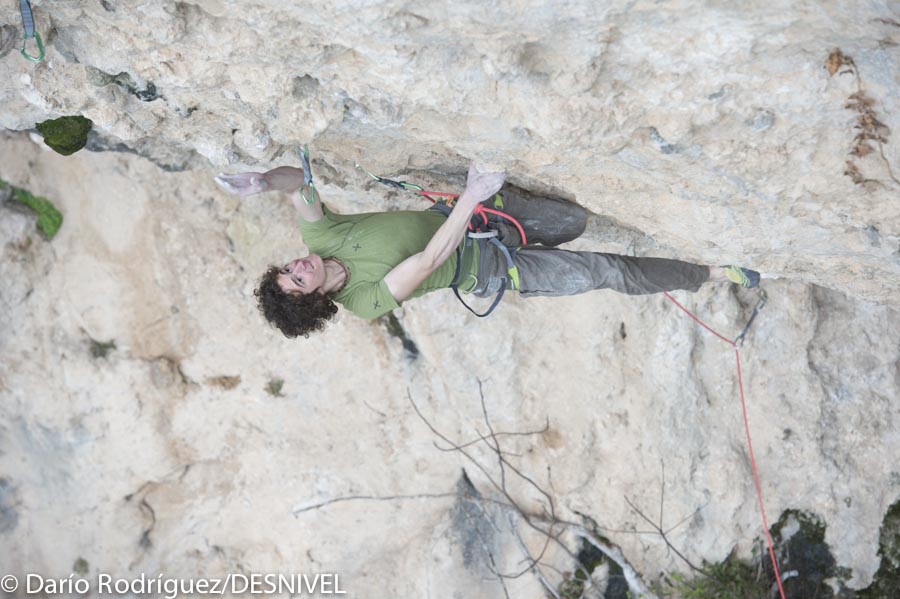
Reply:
x=371, y=263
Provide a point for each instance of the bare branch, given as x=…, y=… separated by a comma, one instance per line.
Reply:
x=665, y=539
x=537, y=571
x=686, y=518
x=481, y=438
x=553, y=522
x=662, y=491
x=346, y=498
x=547, y=524
x=496, y=444
x=490, y=479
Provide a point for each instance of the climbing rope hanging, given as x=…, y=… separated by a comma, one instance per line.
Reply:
x=736, y=344
x=30, y=32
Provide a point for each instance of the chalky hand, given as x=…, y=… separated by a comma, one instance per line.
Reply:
x=482, y=186
x=242, y=184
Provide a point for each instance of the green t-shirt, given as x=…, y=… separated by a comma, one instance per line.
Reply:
x=371, y=244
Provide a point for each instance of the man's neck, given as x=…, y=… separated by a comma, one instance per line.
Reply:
x=335, y=276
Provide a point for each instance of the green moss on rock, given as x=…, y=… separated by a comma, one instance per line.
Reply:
x=101, y=349
x=274, y=387
x=67, y=134
x=801, y=550
x=887, y=578
x=81, y=567
x=800, y=541
x=49, y=218
x=729, y=579
x=802, y=554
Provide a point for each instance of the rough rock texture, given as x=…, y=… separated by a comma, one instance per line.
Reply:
x=700, y=131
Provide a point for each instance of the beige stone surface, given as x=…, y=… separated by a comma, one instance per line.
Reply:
x=701, y=131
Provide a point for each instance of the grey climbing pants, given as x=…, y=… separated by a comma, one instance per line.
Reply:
x=544, y=271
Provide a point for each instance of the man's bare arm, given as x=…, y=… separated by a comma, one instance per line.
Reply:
x=288, y=178
x=409, y=274
x=308, y=212
x=282, y=178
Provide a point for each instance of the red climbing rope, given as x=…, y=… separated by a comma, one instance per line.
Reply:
x=762, y=509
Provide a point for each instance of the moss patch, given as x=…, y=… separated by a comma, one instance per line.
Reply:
x=67, y=134
x=800, y=538
x=887, y=578
x=800, y=548
x=274, y=387
x=101, y=349
x=80, y=567
x=729, y=579
x=49, y=218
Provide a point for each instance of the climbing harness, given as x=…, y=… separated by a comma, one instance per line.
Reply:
x=30, y=31
x=482, y=235
x=307, y=176
x=480, y=231
x=736, y=344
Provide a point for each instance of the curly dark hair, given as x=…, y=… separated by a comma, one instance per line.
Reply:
x=293, y=314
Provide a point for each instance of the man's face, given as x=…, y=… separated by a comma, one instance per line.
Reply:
x=303, y=275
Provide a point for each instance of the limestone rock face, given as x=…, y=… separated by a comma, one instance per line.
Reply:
x=763, y=135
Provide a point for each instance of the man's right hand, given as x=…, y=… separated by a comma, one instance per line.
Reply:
x=481, y=186
x=243, y=184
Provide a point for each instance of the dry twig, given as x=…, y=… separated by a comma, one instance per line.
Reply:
x=547, y=523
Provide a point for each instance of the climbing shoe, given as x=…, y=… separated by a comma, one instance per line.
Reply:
x=742, y=276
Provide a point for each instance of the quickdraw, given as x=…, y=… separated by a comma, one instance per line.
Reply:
x=307, y=176
x=30, y=32
x=739, y=340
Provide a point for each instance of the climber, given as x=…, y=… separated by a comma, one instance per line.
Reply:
x=370, y=263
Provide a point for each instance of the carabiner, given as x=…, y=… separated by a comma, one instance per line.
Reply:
x=40, y=47
x=391, y=183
